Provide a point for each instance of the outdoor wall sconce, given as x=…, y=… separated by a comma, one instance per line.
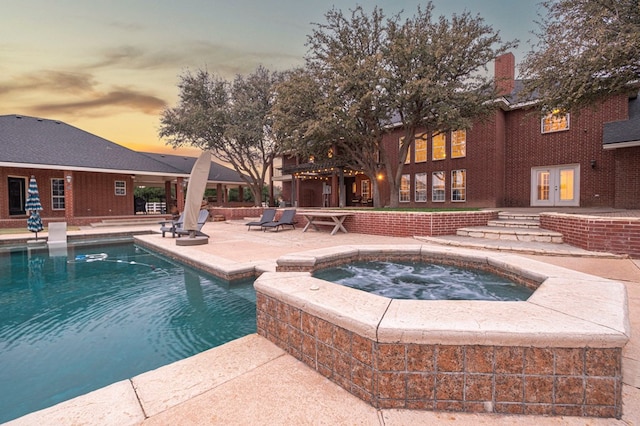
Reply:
x=593, y=164
x=68, y=178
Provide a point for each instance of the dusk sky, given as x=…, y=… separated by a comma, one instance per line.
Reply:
x=110, y=67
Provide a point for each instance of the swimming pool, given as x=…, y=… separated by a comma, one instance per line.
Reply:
x=72, y=324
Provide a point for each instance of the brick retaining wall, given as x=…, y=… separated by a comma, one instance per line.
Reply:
x=392, y=224
x=408, y=224
x=604, y=234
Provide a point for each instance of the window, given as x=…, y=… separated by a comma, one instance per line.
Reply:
x=437, y=187
x=556, y=121
x=420, y=148
x=365, y=189
x=458, y=143
x=57, y=194
x=407, y=158
x=405, y=188
x=438, y=151
x=121, y=187
x=459, y=185
x=17, y=195
x=421, y=187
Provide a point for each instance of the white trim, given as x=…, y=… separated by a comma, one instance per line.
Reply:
x=616, y=145
x=554, y=186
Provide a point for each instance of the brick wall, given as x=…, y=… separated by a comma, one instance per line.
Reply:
x=613, y=235
x=627, y=178
x=93, y=195
x=527, y=147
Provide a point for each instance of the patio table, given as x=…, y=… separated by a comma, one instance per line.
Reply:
x=325, y=218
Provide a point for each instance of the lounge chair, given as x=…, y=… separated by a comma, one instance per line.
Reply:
x=287, y=219
x=203, y=217
x=267, y=216
x=171, y=225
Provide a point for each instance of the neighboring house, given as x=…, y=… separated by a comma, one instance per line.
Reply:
x=221, y=178
x=513, y=159
x=82, y=178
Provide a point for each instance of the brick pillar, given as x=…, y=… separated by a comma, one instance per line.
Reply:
x=219, y=194
x=180, y=194
x=505, y=73
x=68, y=197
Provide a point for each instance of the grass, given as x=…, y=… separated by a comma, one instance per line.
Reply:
x=413, y=210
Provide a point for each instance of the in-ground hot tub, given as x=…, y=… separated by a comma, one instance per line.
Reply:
x=557, y=353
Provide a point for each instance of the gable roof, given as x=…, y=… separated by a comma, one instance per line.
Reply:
x=624, y=134
x=50, y=144
x=217, y=172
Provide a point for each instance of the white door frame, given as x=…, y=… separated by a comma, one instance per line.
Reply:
x=554, y=196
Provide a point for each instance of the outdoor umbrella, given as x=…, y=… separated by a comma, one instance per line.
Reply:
x=34, y=223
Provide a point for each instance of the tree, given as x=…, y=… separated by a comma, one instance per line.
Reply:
x=232, y=119
x=587, y=49
x=437, y=83
x=336, y=100
x=368, y=71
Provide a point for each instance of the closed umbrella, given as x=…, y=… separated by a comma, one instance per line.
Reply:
x=195, y=191
x=34, y=223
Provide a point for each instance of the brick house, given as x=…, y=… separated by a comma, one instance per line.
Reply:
x=515, y=158
x=82, y=178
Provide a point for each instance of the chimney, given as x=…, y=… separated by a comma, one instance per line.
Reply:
x=505, y=73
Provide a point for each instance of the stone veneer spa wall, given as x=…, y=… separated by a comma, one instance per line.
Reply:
x=558, y=353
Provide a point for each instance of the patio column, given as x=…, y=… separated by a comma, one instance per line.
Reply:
x=342, y=196
x=180, y=193
x=334, y=190
x=241, y=193
x=167, y=195
x=219, y=195
x=272, y=200
x=69, y=203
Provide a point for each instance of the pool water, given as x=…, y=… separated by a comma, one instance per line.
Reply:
x=72, y=324
x=424, y=281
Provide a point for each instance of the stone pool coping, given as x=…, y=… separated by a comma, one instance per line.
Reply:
x=569, y=308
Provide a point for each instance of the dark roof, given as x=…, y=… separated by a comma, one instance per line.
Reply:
x=619, y=132
x=37, y=141
x=217, y=172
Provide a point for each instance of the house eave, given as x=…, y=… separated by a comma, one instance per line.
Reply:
x=89, y=169
x=617, y=145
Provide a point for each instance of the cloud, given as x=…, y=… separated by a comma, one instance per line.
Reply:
x=118, y=98
x=221, y=58
x=50, y=81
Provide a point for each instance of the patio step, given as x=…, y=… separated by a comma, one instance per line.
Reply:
x=511, y=234
x=508, y=223
x=518, y=216
x=126, y=222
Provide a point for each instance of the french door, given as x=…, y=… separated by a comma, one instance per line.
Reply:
x=555, y=186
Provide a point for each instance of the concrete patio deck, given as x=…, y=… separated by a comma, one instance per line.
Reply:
x=234, y=383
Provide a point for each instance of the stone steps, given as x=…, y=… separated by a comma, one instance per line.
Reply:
x=513, y=227
x=507, y=223
x=511, y=234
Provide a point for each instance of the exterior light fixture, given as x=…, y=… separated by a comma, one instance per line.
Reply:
x=68, y=178
x=593, y=164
